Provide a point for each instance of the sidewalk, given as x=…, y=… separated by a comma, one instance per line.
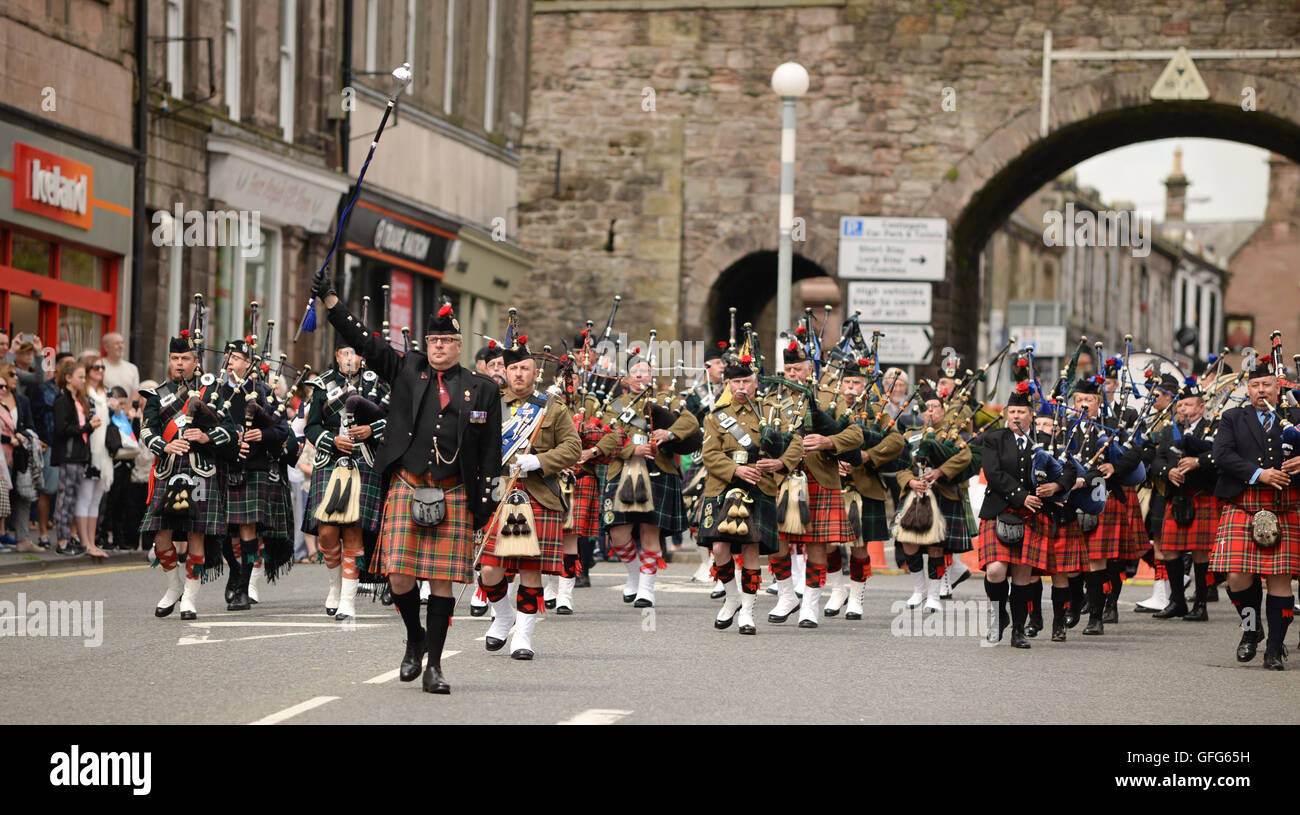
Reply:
x=47, y=560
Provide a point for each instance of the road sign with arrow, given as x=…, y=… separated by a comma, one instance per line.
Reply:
x=903, y=344
x=877, y=248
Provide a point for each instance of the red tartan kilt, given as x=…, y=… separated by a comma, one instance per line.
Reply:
x=443, y=552
x=830, y=523
x=1198, y=536
x=1115, y=531
x=1032, y=550
x=586, y=507
x=550, y=538
x=1136, y=543
x=1066, y=551
x=1235, y=551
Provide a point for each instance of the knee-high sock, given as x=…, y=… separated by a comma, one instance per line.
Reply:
x=1116, y=571
x=750, y=580
x=626, y=552
x=1098, y=591
x=1201, y=579
x=587, y=552
x=915, y=562
x=495, y=593
x=1060, y=601
x=1035, y=598
x=572, y=566
x=1174, y=568
x=651, y=562
x=834, y=560
x=725, y=572
x=1247, y=604
x=934, y=567
x=438, y=620
x=351, y=557
x=1076, y=592
x=529, y=600
x=997, y=593
x=815, y=575
x=332, y=553
x=249, y=549
x=1279, y=611
x=408, y=605
x=166, y=558
x=859, y=569
x=1019, y=606
x=780, y=566
x=194, y=563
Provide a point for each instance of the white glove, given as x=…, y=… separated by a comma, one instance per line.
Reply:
x=527, y=462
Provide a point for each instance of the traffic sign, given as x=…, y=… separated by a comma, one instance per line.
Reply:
x=1048, y=340
x=903, y=344
x=877, y=248
x=887, y=302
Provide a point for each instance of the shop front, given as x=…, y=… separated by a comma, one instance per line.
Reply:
x=65, y=235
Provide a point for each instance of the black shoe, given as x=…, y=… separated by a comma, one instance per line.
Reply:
x=1249, y=645
x=1274, y=658
x=1110, y=612
x=189, y=615
x=161, y=611
x=1036, y=620
x=477, y=611
x=852, y=615
x=1198, y=614
x=1030, y=630
x=550, y=604
x=717, y=595
x=232, y=582
x=239, y=601
x=522, y=653
x=1085, y=607
x=69, y=550
x=780, y=618
x=563, y=611
x=1071, y=618
x=748, y=629
x=627, y=598
x=1141, y=609
x=434, y=682
x=411, y=660
x=642, y=603
x=1174, y=609
x=1211, y=594
x=330, y=612
x=1095, y=626
x=807, y=624
x=493, y=644
x=582, y=581
x=1018, y=638
x=1058, y=630
x=385, y=596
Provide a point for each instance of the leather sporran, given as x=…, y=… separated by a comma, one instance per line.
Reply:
x=428, y=506
x=1010, y=528
x=1264, y=529
x=1087, y=521
x=1183, y=509
x=738, y=524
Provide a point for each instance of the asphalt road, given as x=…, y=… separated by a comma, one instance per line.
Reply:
x=286, y=662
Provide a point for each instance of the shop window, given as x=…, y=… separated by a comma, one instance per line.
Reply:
x=81, y=268
x=241, y=280
x=32, y=255
x=79, y=330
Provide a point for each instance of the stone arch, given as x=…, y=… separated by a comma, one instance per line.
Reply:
x=1114, y=110
x=749, y=284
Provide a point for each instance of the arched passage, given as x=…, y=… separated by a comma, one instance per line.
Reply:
x=749, y=285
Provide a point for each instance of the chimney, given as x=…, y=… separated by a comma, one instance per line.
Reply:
x=1283, y=189
x=1176, y=190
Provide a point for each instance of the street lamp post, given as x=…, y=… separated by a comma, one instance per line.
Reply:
x=790, y=81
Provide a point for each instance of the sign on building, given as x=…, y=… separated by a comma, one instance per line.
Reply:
x=1048, y=340
x=878, y=248
x=902, y=344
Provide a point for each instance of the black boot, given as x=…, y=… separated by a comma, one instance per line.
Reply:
x=1060, y=603
x=237, y=596
x=997, y=593
x=1248, y=604
x=1096, y=608
x=1110, y=614
x=1019, y=612
x=411, y=660
x=1177, y=606
x=1035, y=622
x=437, y=621
x=1073, y=610
x=232, y=579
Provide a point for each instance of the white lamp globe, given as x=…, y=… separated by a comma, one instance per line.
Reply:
x=790, y=79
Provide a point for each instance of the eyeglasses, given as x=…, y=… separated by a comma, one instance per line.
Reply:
x=441, y=340
x=96, y=367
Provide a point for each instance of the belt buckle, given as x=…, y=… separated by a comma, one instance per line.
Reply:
x=741, y=457
x=640, y=438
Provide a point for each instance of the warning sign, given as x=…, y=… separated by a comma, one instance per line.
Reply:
x=1180, y=80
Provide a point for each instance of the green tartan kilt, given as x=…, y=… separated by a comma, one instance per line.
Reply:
x=763, y=514
x=372, y=497
x=207, y=516
x=252, y=501
x=957, y=538
x=875, y=523
x=669, y=513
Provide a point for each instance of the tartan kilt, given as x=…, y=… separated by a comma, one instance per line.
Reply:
x=208, y=515
x=1197, y=536
x=1235, y=551
x=549, y=527
x=875, y=521
x=764, y=514
x=443, y=552
x=1032, y=550
x=372, y=496
x=1114, y=533
x=830, y=523
x=585, y=503
x=1136, y=543
x=669, y=513
x=957, y=537
x=250, y=502
x=1066, y=550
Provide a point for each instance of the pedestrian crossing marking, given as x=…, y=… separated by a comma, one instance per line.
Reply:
x=301, y=707
x=597, y=715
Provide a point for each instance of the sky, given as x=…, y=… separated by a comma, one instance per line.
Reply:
x=1232, y=176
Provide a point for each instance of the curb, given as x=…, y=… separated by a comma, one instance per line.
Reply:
x=60, y=563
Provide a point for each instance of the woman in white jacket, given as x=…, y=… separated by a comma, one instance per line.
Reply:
x=99, y=476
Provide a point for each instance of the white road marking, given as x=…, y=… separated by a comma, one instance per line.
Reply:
x=389, y=676
x=260, y=624
x=290, y=712
x=597, y=715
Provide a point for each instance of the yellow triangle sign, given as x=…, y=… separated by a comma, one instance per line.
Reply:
x=1180, y=80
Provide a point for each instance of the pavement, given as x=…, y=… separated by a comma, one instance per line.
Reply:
x=286, y=662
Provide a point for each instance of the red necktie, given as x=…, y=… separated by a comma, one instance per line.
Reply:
x=444, y=398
